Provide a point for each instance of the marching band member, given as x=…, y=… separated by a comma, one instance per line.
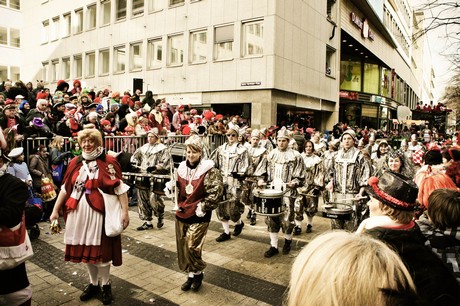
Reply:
x=151, y=157
x=284, y=167
x=314, y=182
x=350, y=171
x=200, y=188
x=233, y=160
x=258, y=156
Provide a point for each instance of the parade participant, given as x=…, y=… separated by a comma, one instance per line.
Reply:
x=265, y=140
x=178, y=117
x=391, y=220
x=258, y=156
x=81, y=198
x=151, y=157
x=371, y=146
x=349, y=173
x=284, y=170
x=340, y=268
x=15, y=288
x=307, y=201
x=328, y=157
x=414, y=145
x=396, y=162
x=380, y=156
x=233, y=160
x=320, y=146
x=200, y=189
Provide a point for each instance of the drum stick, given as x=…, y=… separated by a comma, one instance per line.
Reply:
x=353, y=199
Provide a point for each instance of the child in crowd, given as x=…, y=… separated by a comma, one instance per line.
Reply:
x=441, y=226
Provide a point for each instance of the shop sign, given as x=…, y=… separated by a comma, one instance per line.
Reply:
x=350, y=95
x=363, y=25
x=378, y=99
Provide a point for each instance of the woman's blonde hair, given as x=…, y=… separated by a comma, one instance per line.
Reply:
x=341, y=268
x=92, y=134
x=56, y=143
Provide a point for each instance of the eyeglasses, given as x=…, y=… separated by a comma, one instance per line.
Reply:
x=231, y=135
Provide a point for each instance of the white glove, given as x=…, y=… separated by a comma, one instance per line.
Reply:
x=199, y=210
x=169, y=189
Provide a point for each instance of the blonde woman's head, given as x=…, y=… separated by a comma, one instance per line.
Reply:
x=58, y=142
x=341, y=268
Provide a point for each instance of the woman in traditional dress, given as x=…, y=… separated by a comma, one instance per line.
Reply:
x=81, y=197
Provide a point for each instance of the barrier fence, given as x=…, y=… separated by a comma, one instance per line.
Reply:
x=124, y=143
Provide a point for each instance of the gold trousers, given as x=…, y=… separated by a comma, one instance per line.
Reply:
x=189, y=240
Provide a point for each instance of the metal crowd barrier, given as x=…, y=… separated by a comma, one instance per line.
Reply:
x=123, y=143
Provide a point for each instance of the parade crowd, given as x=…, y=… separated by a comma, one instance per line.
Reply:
x=400, y=245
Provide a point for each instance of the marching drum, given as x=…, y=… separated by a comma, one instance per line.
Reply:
x=338, y=211
x=159, y=183
x=143, y=180
x=269, y=202
x=129, y=178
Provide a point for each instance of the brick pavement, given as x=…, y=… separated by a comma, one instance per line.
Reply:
x=237, y=272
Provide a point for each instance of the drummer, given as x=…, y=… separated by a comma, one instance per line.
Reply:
x=285, y=171
x=307, y=201
x=258, y=155
x=349, y=172
x=232, y=159
x=153, y=157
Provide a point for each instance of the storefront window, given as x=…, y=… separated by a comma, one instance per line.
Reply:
x=371, y=78
x=350, y=75
x=369, y=116
x=385, y=85
x=352, y=114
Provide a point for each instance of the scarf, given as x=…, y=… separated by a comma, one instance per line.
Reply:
x=93, y=154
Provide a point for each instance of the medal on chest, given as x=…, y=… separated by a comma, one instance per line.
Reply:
x=189, y=189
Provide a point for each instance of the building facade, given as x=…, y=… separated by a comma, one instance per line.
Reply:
x=272, y=61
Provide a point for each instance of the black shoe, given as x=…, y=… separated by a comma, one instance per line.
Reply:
x=238, y=229
x=249, y=215
x=160, y=223
x=107, y=296
x=89, y=292
x=223, y=237
x=197, y=280
x=145, y=226
x=287, y=246
x=188, y=284
x=253, y=219
x=272, y=251
x=297, y=230
x=309, y=228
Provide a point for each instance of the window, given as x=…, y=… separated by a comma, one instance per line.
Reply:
x=4, y=70
x=385, y=85
x=253, y=38
x=55, y=29
x=135, y=62
x=15, y=4
x=104, y=62
x=15, y=73
x=105, y=12
x=3, y=36
x=90, y=62
x=66, y=68
x=198, y=47
x=78, y=66
x=352, y=75
x=66, y=25
x=330, y=10
x=120, y=9
x=45, y=69
x=154, y=53
x=91, y=17
x=176, y=2
x=223, y=42
x=155, y=5
x=119, y=59
x=371, y=78
x=15, y=38
x=175, y=50
x=330, y=61
x=45, y=31
x=54, y=70
x=79, y=21
x=138, y=7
